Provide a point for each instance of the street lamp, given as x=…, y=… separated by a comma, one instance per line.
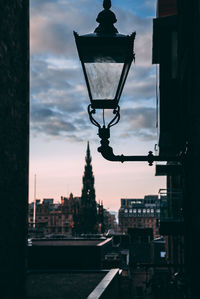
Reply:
x=106, y=58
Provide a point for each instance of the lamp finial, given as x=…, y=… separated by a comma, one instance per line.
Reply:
x=107, y=4
x=106, y=18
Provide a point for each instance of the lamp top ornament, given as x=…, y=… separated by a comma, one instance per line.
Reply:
x=106, y=18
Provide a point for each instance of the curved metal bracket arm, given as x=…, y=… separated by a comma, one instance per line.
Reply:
x=113, y=122
x=107, y=152
x=92, y=111
x=116, y=118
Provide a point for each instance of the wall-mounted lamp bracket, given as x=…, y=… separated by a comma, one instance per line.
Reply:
x=107, y=151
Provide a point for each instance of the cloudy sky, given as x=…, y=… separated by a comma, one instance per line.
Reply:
x=60, y=127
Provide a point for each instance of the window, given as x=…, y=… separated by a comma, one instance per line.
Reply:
x=134, y=210
x=162, y=254
x=126, y=211
x=144, y=210
x=148, y=210
x=130, y=211
x=139, y=210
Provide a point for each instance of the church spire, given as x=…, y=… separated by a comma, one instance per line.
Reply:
x=88, y=158
x=88, y=191
x=88, y=202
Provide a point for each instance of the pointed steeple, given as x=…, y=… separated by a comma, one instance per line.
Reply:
x=88, y=202
x=88, y=158
x=88, y=148
x=88, y=191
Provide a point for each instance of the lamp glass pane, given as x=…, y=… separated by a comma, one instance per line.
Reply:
x=103, y=78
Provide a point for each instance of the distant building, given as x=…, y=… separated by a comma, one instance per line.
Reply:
x=140, y=213
x=109, y=221
x=48, y=201
x=71, y=206
x=50, y=218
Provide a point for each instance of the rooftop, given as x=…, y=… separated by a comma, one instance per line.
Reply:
x=70, y=242
x=62, y=285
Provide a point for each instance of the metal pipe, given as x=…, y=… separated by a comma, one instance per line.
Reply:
x=107, y=152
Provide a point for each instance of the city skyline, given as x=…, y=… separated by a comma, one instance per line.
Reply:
x=60, y=127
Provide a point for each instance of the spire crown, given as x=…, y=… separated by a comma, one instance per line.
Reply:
x=88, y=156
x=88, y=148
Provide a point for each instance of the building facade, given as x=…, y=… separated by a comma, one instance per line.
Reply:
x=14, y=150
x=140, y=213
x=176, y=50
x=52, y=218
